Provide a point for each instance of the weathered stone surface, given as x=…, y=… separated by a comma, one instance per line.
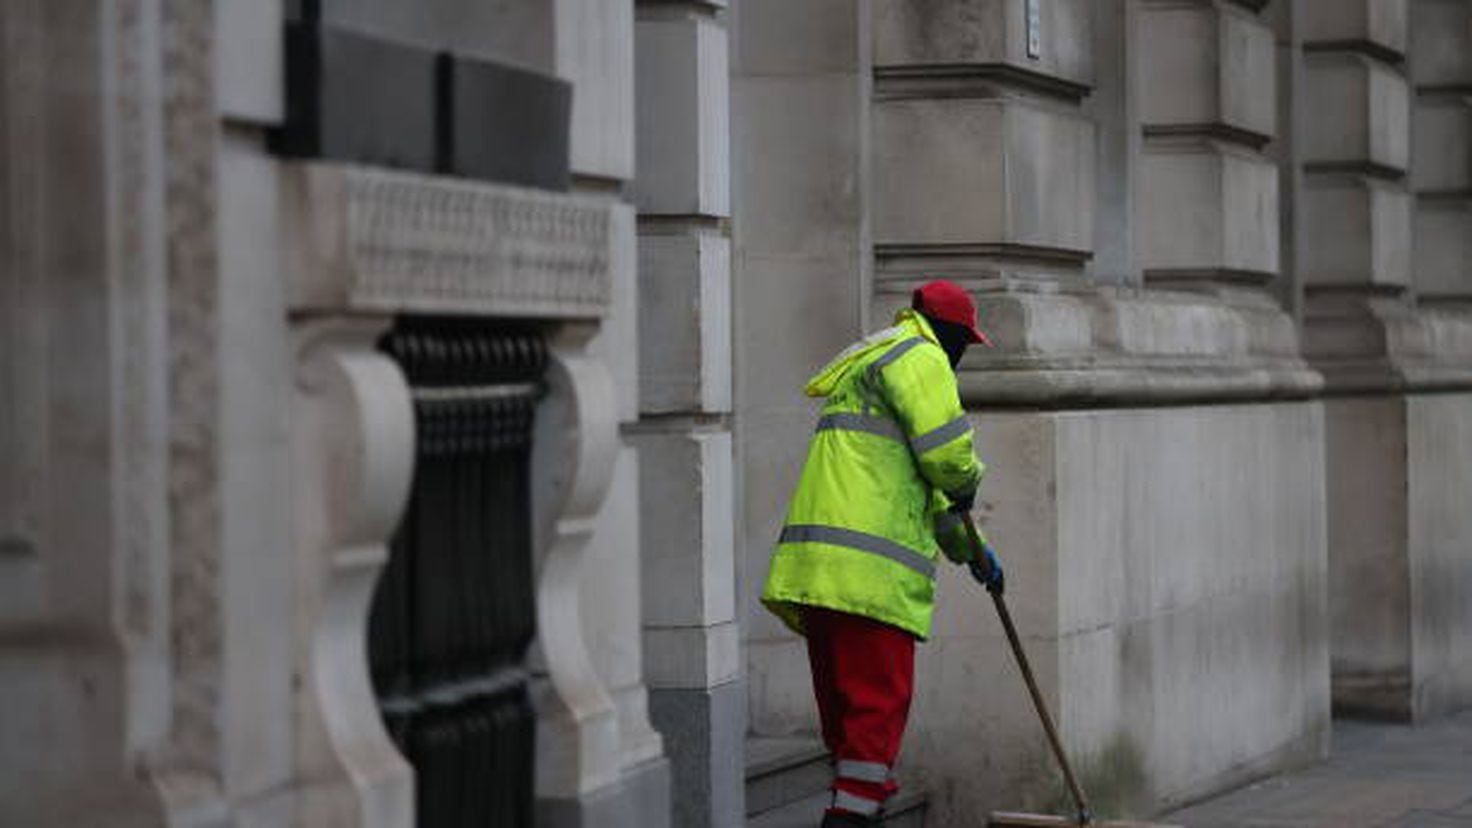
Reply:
x=1355, y=23
x=595, y=53
x=1438, y=54
x=1401, y=554
x=968, y=171
x=705, y=730
x=509, y=30
x=1357, y=232
x=797, y=161
x=683, y=122
x=248, y=60
x=1234, y=224
x=367, y=239
x=1439, y=486
x=1443, y=248
x=686, y=497
x=617, y=342
x=1205, y=65
x=692, y=657
x=1441, y=160
x=1357, y=112
x=986, y=32
x=255, y=521
x=823, y=36
x=685, y=323
x=1369, y=592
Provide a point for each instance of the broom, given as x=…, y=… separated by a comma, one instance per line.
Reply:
x=1008, y=819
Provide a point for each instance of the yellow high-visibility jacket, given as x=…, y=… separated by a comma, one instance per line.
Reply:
x=869, y=515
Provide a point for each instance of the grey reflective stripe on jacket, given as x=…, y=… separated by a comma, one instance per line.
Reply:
x=894, y=353
x=868, y=423
x=861, y=541
x=937, y=437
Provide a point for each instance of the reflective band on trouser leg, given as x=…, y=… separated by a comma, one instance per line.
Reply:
x=862, y=771
x=853, y=803
x=937, y=437
x=862, y=541
x=867, y=423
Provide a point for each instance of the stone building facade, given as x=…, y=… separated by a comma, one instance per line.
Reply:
x=258, y=257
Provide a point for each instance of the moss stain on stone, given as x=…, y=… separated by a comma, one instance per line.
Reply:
x=1114, y=781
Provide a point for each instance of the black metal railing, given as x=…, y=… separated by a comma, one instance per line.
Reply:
x=453, y=613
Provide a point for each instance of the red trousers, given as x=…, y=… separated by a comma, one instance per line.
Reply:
x=863, y=676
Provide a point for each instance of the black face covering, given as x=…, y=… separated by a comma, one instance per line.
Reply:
x=954, y=338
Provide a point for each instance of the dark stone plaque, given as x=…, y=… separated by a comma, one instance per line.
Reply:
x=502, y=123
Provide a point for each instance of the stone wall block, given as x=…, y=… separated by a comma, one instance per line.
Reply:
x=685, y=323
x=1438, y=54
x=692, y=657
x=1442, y=144
x=595, y=52
x=975, y=171
x=1207, y=64
x=683, y=116
x=617, y=342
x=1358, y=231
x=1443, y=248
x=986, y=32
x=506, y=30
x=1372, y=23
x=686, y=491
x=1233, y=225
x=1358, y=112
x=248, y=60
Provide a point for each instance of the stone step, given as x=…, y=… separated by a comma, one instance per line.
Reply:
x=906, y=810
x=782, y=771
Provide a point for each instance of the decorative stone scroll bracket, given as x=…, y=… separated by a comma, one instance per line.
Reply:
x=353, y=441
x=574, y=449
x=364, y=244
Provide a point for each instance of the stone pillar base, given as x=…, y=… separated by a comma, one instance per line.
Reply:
x=704, y=732
x=640, y=797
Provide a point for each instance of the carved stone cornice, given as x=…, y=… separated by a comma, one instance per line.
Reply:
x=1102, y=346
x=1371, y=344
x=369, y=240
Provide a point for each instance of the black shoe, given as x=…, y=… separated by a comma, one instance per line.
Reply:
x=843, y=819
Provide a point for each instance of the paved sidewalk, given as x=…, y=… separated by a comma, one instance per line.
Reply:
x=1376, y=775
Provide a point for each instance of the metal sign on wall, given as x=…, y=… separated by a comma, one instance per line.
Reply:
x=1034, y=28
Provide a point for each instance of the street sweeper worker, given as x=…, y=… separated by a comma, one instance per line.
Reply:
x=889, y=473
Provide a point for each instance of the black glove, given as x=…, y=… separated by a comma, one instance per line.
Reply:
x=961, y=502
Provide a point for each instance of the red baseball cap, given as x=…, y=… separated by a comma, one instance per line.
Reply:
x=947, y=300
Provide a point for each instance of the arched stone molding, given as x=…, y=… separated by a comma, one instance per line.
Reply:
x=353, y=437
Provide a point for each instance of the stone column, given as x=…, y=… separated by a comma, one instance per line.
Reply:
x=86, y=468
x=684, y=393
x=1386, y=319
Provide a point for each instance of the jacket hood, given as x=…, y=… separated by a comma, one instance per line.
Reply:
x=907, y=323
